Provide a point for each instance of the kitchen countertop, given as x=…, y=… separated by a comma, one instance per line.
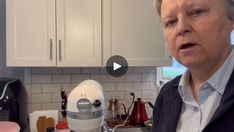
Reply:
x=140, y=129
x=127, y=127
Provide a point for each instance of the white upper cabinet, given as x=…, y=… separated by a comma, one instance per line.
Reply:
x=79, y=32
x=83, y=33
x=131, y=28
x=30, y=32
x=64, y=33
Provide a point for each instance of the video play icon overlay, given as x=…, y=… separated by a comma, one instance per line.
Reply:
x=117, y=66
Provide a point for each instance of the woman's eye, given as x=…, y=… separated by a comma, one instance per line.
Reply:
x=170, y=23
x=197, y=12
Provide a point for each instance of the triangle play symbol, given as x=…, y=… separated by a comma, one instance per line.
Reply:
x=116, y=66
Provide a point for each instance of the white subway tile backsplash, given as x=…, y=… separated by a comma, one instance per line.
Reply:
x=27, y=76
x=149, y=94
x=35, y=107
x=29, y=108
x=149, y=77
x=63, y=78
x=124, y=86
x=141, y=85
x=105, y=96
x=115, y=95
x=128, y=96
x=109, y=87
x=41, y=98
x=102, y=70
x=90, y=70
x=51, y=106
x=138, y=94
x=56, y=98
x=44, y=84
x=144, y=69
x=126, y=103
x=116, y=79
x=36, y=88
x=99, y=77
x=133, y=77
x=77, y=78
x=51, y=88
x=149, y=111
x=36, y=70
x=29, y=92
x=153, y=86
x=70, y=70
x=47, y=78
x=130, y=70
x=51, y=70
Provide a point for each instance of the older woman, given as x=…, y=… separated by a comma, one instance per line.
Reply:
x=198, y=35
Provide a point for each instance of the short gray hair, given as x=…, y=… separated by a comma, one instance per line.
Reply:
x=228, y=3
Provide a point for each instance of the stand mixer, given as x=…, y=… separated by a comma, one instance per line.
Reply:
x=85, y=107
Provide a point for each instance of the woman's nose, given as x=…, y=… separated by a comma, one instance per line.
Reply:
x=183, y=27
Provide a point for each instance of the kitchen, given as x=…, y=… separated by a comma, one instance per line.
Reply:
x=47, y=57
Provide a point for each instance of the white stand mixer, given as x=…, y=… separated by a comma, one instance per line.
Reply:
x=85, y=107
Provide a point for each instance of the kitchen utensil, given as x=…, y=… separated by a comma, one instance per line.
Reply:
x=133, y=98
x=139, y=115
x=113, y=108
x=85, y=107
x=127, y=111
x=64, y=102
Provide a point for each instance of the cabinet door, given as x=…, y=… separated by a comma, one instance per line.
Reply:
x=79, y=33
x=131, y=28
x=30, y=32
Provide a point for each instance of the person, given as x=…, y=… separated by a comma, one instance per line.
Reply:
x=197, y=33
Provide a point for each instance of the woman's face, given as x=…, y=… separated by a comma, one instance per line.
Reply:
x=197, y=31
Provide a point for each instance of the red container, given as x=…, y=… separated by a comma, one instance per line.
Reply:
x=138, y=115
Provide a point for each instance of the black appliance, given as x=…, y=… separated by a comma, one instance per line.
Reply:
x=13, y=102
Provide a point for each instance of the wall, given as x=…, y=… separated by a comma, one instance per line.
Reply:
x=44, y=84
x=6, y=71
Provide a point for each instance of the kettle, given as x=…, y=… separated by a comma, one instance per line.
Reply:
x=139, y=115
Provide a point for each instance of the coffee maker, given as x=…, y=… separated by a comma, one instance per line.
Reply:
x=13, y=102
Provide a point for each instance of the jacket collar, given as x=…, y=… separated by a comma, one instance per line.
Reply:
x=226, y=101
x=174, y=104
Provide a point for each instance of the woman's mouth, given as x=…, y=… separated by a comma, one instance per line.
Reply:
x=187, y=46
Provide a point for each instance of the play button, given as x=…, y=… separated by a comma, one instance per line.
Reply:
x=117, y=66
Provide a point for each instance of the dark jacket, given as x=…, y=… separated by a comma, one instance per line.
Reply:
x=167, y=109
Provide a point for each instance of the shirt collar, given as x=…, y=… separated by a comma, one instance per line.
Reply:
x=218, y=80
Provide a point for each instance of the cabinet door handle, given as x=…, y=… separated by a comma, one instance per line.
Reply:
x=60, y=50
x=51, y=49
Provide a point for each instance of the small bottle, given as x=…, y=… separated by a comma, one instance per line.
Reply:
x=62, y=127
